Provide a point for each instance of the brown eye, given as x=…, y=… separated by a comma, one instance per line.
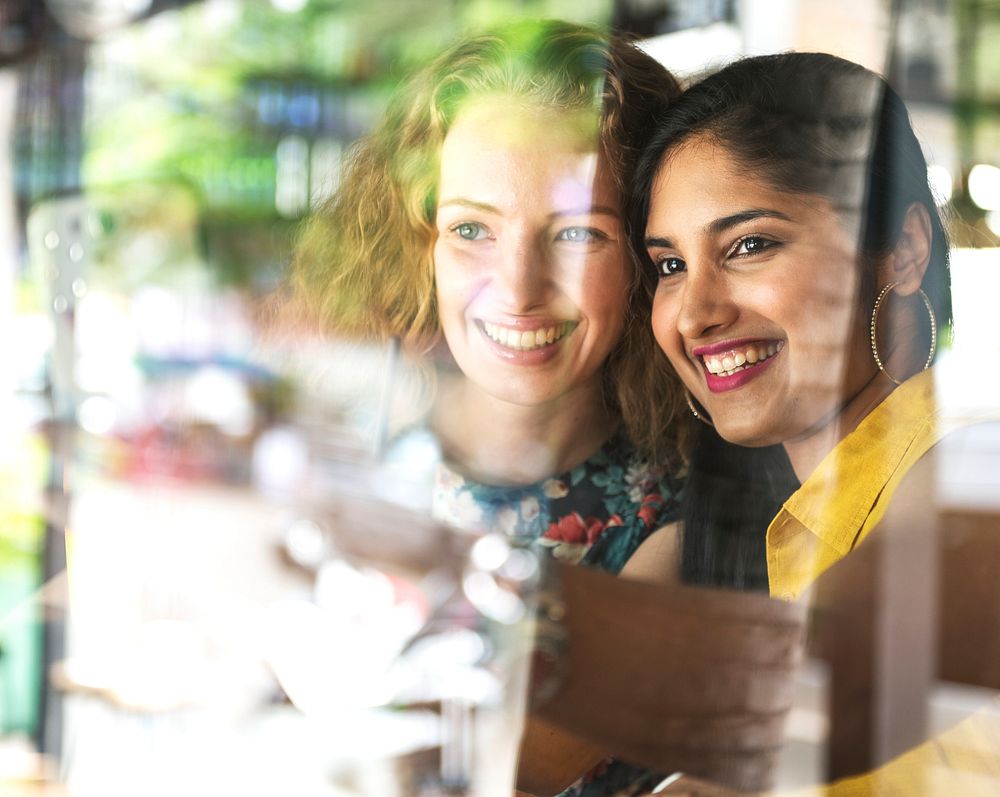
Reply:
x=752, y=245
x=666, y=266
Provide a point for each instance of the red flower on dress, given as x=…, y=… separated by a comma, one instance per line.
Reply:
x=650, y=509
x=573, y=528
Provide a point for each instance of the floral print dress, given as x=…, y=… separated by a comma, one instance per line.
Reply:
x=596, y=514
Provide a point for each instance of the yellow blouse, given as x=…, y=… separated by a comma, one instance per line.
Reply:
x=828, y=516
x=834, y=510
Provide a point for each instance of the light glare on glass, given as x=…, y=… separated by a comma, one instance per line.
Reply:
x=97, y=415
x=941, y=183
x=289, y=6
x=984, y=186
x=993, y=221
x=489, y=552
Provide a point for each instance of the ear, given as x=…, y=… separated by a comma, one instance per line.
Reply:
x=910, y=256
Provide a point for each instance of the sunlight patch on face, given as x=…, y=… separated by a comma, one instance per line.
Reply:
x=576, y=192
x=570, y=129
x=527, y=180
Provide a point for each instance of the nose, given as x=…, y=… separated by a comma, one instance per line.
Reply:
x=523, y=278
x=707, y=304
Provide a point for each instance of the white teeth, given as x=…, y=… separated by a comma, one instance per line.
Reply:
x=527, y=340
x=736, y=361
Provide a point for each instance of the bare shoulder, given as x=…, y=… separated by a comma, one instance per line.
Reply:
x=657, y=560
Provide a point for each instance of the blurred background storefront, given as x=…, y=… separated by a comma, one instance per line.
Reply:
x=166, y=443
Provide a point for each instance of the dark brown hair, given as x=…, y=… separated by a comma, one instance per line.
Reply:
x=808, y=123
x=811, y=123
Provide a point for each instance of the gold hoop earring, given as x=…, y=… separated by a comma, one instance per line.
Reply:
x=701, y=416
x=874, y=325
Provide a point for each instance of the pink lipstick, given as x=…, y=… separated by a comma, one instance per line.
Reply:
x=731, y=364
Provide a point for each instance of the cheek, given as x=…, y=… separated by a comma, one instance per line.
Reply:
x=452, y=284
x=607, y=318
x=824, y=312
x=604, y=312
x=450, y=308
x=664, y=320
x=442, y=277
x=601, y=293
x=614, y=320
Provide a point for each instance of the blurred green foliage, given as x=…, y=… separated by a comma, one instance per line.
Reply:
x=205, y=94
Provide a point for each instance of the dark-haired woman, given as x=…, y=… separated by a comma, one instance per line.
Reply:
x=801, y=275
x=801, y=286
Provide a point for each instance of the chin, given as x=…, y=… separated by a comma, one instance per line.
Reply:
x=522, y=393
x=749, y=434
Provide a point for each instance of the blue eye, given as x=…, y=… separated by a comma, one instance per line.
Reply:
x=470, y=231
x=666, y=266
x=579, y=235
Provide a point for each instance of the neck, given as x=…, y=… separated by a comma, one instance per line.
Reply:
x=497, y=442
x=903, y=357
x=808, y=450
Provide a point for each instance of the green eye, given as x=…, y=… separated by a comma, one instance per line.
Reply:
x=578, y=235
x=469, y=231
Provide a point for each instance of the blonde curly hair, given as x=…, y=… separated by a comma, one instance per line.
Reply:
x=363, y=263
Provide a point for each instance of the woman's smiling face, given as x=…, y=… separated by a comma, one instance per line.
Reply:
x=530, y=266
x=757, y=301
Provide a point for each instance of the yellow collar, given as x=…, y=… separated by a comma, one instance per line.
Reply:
x=838, y=497
x=849, y=491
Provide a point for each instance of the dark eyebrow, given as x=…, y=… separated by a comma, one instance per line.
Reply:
x=726, y=223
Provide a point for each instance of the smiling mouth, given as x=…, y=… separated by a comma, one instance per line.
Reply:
x=741, y=358
x=526, y=339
